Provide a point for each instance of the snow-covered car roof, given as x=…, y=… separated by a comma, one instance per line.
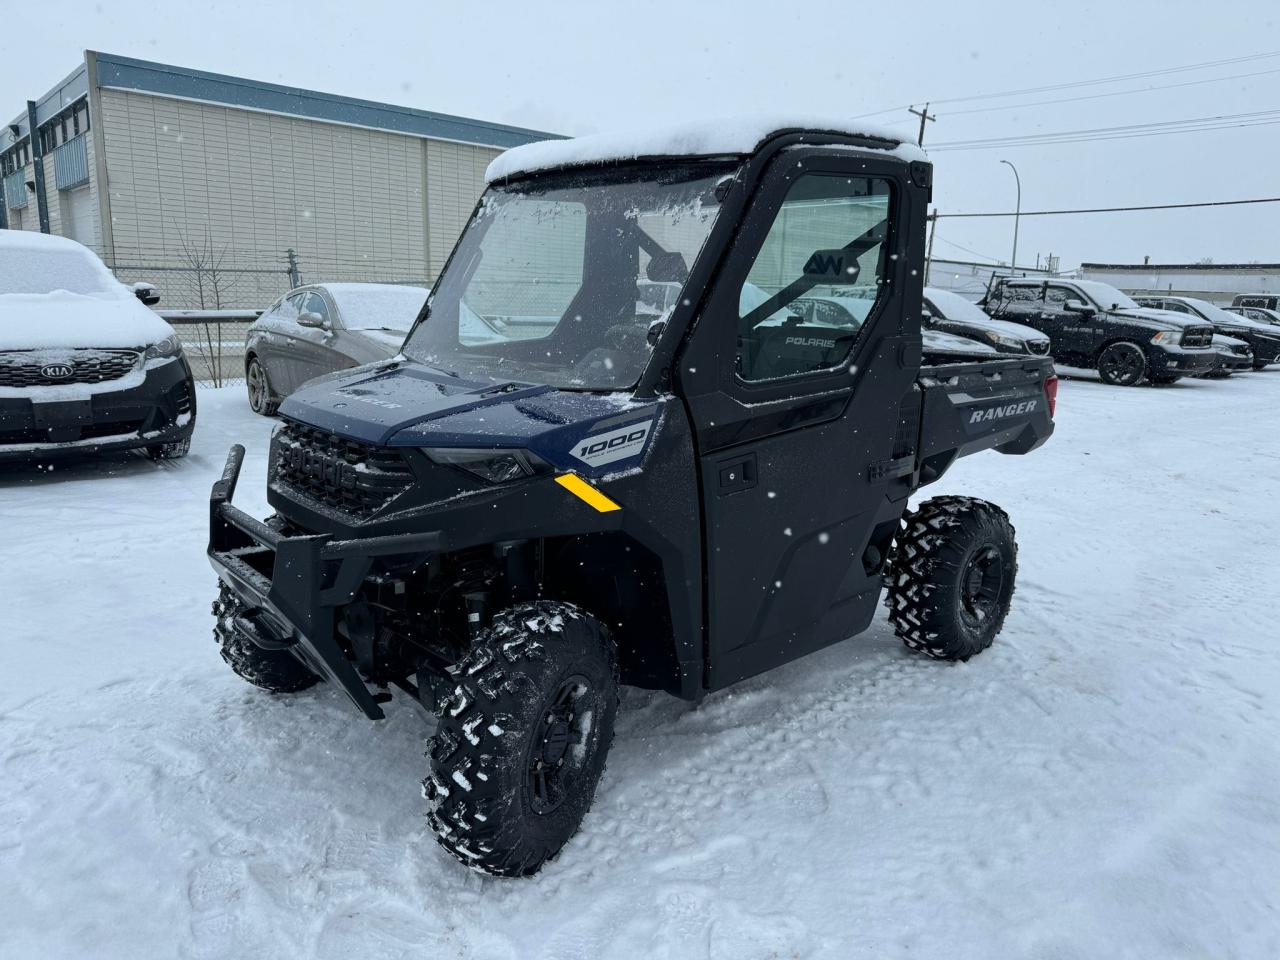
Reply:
x=369, y=306
x=727, y=137
x=56, y=293
x=957, y=308
x=1216, y=314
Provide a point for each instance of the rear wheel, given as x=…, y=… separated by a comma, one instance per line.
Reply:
x=255, y=379
x=1122, y=364
x=522, y=739
x=275, y=670
x=951, y=577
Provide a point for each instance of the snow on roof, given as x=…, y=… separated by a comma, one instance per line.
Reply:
x=713, y=138
x=30, y=240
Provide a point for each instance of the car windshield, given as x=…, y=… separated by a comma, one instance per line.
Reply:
x=952, y=306
x=1215, y=314
x=1106, y=296
x=562, y=282
x=377, y=306
x=44, y=271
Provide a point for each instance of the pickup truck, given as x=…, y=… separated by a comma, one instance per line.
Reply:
x=557, y=488
x=1093, y=325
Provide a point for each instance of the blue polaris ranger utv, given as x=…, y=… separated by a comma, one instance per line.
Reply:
x=656, y=425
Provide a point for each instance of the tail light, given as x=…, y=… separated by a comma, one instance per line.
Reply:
x=1051, y=394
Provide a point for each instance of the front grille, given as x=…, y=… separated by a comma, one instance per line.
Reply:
x=1197, y=337
x=347, y=475
x=1039, y=347
x=43, y=368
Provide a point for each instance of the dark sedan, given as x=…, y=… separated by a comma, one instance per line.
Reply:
x=324, y=327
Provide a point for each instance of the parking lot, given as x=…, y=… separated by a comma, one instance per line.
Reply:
x=1100, y=783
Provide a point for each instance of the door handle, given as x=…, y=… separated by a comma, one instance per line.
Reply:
x=736, y=474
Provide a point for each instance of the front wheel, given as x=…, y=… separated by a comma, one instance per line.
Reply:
x=522, y=739
x=951, y=577
x=1122, y=364
x=276, y=671
x=170, y=451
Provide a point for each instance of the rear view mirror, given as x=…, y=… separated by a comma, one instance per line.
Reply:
x=310, y=318
x=667, y=267
x=1077, y=306
x=832, y=266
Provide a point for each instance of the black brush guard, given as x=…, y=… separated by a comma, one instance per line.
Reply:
x=312, y=576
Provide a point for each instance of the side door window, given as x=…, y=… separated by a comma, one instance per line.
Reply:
x=315, y=303
x=1055, y=299
x=817, y=277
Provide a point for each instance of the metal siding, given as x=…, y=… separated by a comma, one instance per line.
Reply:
x=15, y=190
x=124, y=73
x=71, y=163
x=245, y=187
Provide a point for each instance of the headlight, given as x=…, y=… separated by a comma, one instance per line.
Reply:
x=168, y=347
x=1168, y=338
x=492, y=466
x=1012, y=343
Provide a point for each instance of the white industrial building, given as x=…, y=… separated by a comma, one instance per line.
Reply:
x=1215, y=282
x=224, y=191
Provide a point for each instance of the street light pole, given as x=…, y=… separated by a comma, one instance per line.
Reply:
x=1017, y=215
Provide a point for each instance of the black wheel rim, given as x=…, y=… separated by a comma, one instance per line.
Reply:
x=981, y=585
x=1123, y=364
x=560, y=743
x=257, y=386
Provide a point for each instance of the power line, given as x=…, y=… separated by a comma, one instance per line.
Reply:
x=1113, y=93
x=960, y=246
x=1165, y=71
x=1154, y=206
x=1123, y=131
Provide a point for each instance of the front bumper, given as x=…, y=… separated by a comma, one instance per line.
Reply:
x=293, y=586
x=157, y=407
x=1180, y=362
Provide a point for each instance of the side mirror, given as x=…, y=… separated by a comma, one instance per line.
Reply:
x=1078, y=306
x=654, y=333
x=838, y=266
x=926, y=316
x=145, y=292
x=310, y=318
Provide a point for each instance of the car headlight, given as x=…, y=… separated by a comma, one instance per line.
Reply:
x=1168, y=338
x=168, y=347
x=999, y=340
x=492, y=466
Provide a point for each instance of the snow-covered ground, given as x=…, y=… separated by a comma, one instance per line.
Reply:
x=1101, y=783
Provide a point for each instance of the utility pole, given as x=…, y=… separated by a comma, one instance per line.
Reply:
x=924, y=116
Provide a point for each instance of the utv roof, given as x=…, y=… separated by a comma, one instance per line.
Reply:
x=704, y=139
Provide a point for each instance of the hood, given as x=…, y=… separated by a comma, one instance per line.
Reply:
x=1159, y=319
x=935, y=341
x=1228, y=343
x=68, y=320
x=1006, y=328
x=403, y=404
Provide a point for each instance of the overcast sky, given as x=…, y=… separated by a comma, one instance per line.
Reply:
x=579, y=67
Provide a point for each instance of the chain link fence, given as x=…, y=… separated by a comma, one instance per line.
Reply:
x=210, y=295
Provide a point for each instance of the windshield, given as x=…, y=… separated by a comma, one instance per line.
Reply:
x=377, y=306
x=1215, y=314
x=952, y=306
x=1105, y=295
x=43, y=271
x=562, y=283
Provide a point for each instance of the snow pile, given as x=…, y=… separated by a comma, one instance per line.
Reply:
x=1101, y=783
x=55, y=293
x=711, y=138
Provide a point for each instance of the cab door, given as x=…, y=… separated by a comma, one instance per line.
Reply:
x=796, y=420
x=1079, y=333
